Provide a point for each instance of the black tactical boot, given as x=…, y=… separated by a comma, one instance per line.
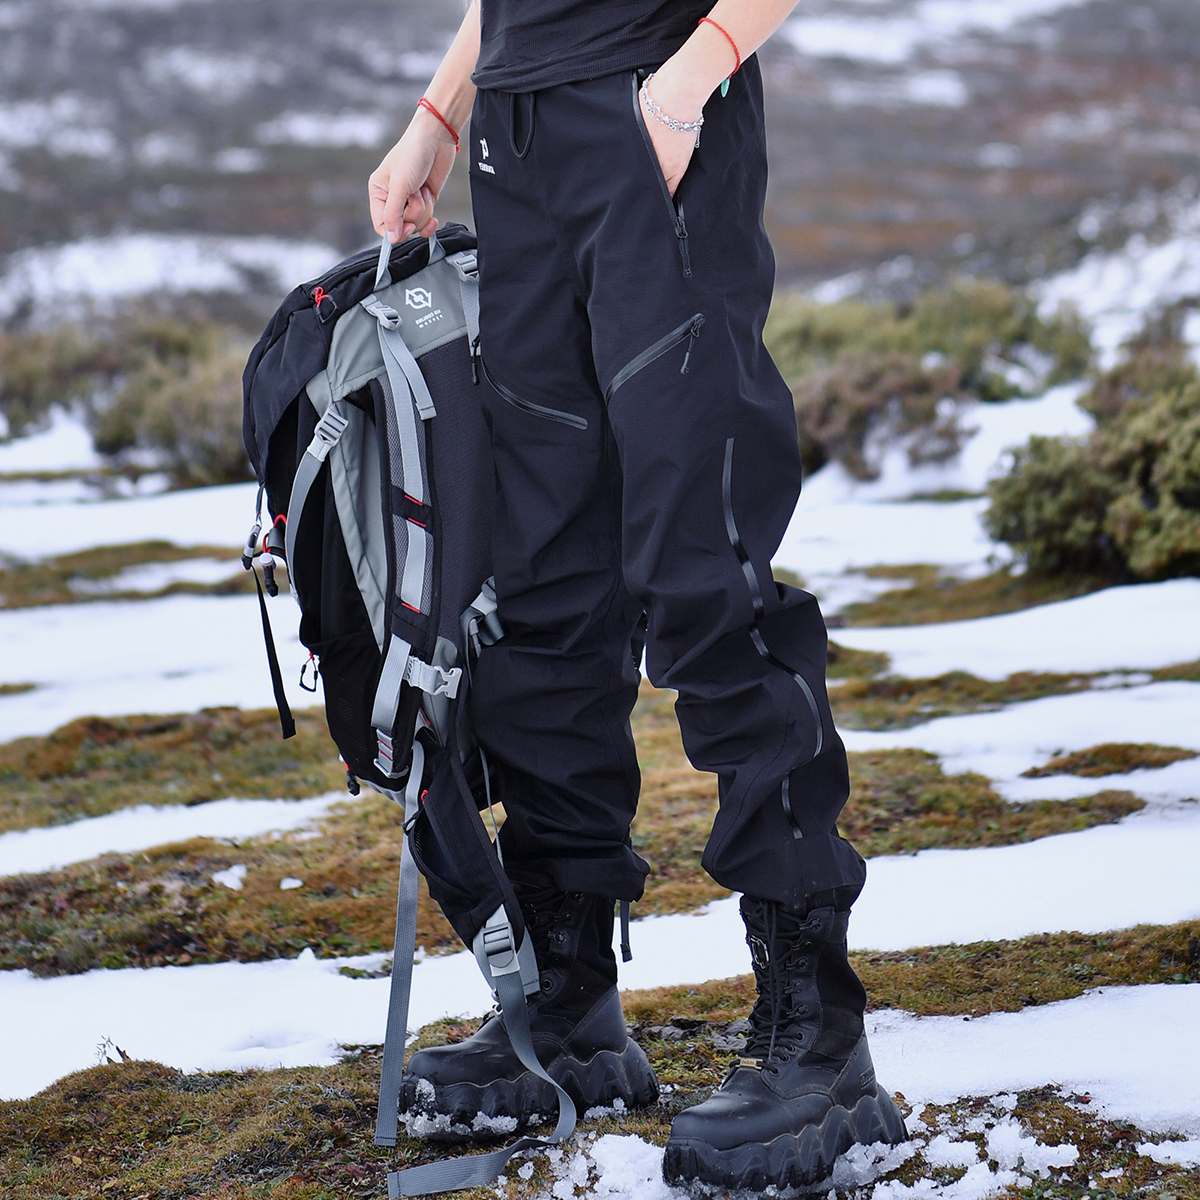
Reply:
x=478, y=1088
x=804, y=1091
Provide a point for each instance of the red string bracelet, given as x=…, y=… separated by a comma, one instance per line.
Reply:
x=423, y=103
x=736, y=53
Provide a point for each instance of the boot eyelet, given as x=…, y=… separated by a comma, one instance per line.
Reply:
x=547, y=983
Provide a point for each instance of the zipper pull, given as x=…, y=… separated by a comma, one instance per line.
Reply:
x=682, y=234
x=693, y=334
x=475, y=361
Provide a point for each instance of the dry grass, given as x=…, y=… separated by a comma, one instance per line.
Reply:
x=1111, y=758
x=932, y=597
x=898, y=702
x=16, y=689
x=142, y=1131
x=66, y=578
x=96, y=765
x=162, y=905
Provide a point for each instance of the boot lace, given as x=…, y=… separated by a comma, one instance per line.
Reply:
x=779, y=1017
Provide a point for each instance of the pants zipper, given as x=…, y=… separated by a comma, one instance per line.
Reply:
x=756, y=597
x=528, y=406
x=690, y=330
x=675, y=210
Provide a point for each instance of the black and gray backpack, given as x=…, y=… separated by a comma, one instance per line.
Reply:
x=364, y=424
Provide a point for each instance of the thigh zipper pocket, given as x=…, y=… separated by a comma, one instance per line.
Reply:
x=690, y=330
x=675, y=210
x=535, y=410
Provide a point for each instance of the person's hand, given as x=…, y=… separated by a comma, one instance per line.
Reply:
x=404, y=187
x=674, y=149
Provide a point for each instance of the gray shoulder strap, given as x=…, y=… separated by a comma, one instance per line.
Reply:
x=507, y=971
x=326, y=435
x=466, y=263
x=387, y=1118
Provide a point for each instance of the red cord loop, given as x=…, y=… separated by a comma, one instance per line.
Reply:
x=737, y=54
x=423, y=103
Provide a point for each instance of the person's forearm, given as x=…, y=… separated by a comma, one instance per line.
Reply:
x=451, y=91
x=706, y=58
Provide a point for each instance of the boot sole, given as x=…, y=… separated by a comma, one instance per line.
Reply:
x=790, y=1160
x=475, y=1112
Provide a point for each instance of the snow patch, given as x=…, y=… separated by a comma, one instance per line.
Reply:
x=943, y=1151
x=894, y=39
x=57, y=281
x=28, y=851
x=1156, y=622
x=214, y=516
x=1015, y=1151
x=324, y=129
x=232, y=877
x=1184, y=1154
x=1115, y=290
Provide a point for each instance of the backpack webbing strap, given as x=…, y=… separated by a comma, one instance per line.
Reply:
x=387, y=1119
x=478, y=1169
x=466, y=263
x=400, y=666
x=397, y=357
x=406, y=387
x=326, y=435
x=287, y=723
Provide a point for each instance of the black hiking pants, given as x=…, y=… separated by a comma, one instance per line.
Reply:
x=647, y=465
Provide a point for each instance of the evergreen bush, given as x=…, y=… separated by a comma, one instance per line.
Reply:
x=862, y=374
x=1125, y=501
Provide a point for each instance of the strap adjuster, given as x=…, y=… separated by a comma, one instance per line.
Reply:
x=328, y=433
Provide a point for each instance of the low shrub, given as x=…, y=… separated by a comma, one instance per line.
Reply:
x=850, y=410
x=181, y=406
x=864, y=374
x=162, y=389
x=1124, y=501
x=41, y=369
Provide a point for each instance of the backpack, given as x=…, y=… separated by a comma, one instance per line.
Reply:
x=364, y=424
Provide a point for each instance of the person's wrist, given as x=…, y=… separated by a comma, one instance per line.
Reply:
x=683, y=84
x=437, y=126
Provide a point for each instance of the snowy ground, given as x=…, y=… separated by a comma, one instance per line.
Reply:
x=186, y=652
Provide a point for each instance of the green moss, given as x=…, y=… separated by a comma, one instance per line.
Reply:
x=898, y=702
x=162, y=906
x=73, y=578
x=967, y=980
x=96, y=765
x=139, y=1130
x=932, y=597
x=1111, y=758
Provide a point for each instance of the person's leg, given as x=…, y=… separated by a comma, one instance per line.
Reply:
x=706, y=439
x=551, y=700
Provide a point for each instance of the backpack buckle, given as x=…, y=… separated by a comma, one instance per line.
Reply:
x=432, y=679
x=328, y=433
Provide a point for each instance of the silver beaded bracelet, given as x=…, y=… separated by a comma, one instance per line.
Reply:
x=674, y=125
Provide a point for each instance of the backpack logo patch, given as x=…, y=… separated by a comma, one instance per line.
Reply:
x=418, y=298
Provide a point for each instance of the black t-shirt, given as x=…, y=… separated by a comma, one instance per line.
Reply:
x=531, y=44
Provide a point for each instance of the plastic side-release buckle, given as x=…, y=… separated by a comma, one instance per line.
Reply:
x=496, y=952
x=430, y=678
x=328, y=433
